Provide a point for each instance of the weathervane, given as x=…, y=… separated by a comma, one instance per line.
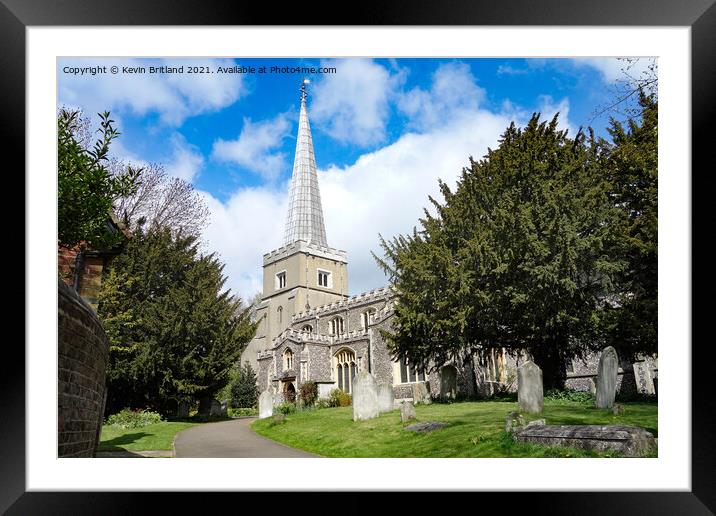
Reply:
x=304, y=93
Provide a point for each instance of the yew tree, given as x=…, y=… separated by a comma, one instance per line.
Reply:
x=519, y=255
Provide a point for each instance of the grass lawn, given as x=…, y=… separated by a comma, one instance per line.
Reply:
x=475, y=429
x=158, y=436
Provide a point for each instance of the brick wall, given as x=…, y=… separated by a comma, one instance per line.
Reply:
x=82, y=360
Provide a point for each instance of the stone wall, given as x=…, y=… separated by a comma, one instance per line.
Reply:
x=83, y=351
x=381, y=361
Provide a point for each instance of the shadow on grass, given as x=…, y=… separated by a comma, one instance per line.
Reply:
x=119, y=441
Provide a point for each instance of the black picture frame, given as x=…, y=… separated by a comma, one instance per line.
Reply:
x=699, y=15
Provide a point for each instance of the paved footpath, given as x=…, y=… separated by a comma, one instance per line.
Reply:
x=230, y=439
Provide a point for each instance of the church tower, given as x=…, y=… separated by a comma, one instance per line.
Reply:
x=305, y=272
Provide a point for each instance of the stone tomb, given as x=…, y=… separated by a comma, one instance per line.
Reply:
x=427, y=427
x=607, y=378
x=266, y=403
x=386, y=399
x=365, y=397
x=529, y=388
x=630, y=441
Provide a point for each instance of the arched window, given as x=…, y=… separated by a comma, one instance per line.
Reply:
x=345, y=369
x=307, y=329
x=337, y=326
x=366, y=317
x=287, y=359
x=279, y=314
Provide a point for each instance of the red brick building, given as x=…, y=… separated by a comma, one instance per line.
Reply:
x=81, y=268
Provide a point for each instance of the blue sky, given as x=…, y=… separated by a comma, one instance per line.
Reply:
x=384, y=131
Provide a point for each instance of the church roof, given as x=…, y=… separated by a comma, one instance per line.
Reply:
x=305, y=214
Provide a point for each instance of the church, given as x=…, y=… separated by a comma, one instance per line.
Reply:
x=310, y=329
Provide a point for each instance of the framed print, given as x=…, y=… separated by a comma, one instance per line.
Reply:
x=297, y=139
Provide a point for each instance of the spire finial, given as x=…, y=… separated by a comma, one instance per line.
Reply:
x=304, y=93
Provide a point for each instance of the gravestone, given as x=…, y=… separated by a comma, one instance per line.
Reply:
x=421, y=393
x=448, y=382
x=365, y=397
x=183, y=409
x=643, y=378
x=607, y=378
x=215, y=410
x=386, y=399
x=407, y=411
x=529, y=388
x=266, y=403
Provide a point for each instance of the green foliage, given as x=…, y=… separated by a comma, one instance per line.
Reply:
x=309, y=393
x=286, y=408
x=570, y=395
x=244, y=392
x=127, y=418
x=243, y=411
x=632, y=169
x=525, y=254
x=323, y=403
x=86, y=189
x=174, y=330
x=339, y=398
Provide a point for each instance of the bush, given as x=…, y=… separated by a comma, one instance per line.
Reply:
x=244, y=411
x=127, y=418
x=309, y=393
x=323, y=403
x=338, y=398
x=570, y=395
x=286, y=408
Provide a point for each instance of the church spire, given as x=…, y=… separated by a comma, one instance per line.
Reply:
x=305, y=215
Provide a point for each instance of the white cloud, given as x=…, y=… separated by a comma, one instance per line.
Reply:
x=256, y=147
x=186, y=160
x=174, y=97
x=510, y=70
x=352, y=105
x=242, y=229
x=383, y=192
x=453, y=92
x=614, y=69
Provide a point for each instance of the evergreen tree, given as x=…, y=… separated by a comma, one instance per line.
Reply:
x=244, y=392
x=174, y=330
x=632, y=168
x=515, y=257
